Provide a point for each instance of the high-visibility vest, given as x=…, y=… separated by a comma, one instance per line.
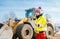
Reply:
x=41, y=21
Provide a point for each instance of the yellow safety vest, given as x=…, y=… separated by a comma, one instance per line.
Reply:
x=42, y=23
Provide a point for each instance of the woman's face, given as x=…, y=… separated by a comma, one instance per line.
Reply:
x=37, y=14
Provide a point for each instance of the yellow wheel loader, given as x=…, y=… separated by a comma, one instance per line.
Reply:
x=24, y=28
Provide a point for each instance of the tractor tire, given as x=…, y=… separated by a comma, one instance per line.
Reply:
x=15, y=36
x=25, y=31
x=50, y=31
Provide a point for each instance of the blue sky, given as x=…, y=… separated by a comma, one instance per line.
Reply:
x=51, y=7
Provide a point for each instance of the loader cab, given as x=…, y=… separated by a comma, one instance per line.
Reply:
x=30, y=13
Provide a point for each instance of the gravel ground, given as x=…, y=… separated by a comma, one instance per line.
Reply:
x=57, y=36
